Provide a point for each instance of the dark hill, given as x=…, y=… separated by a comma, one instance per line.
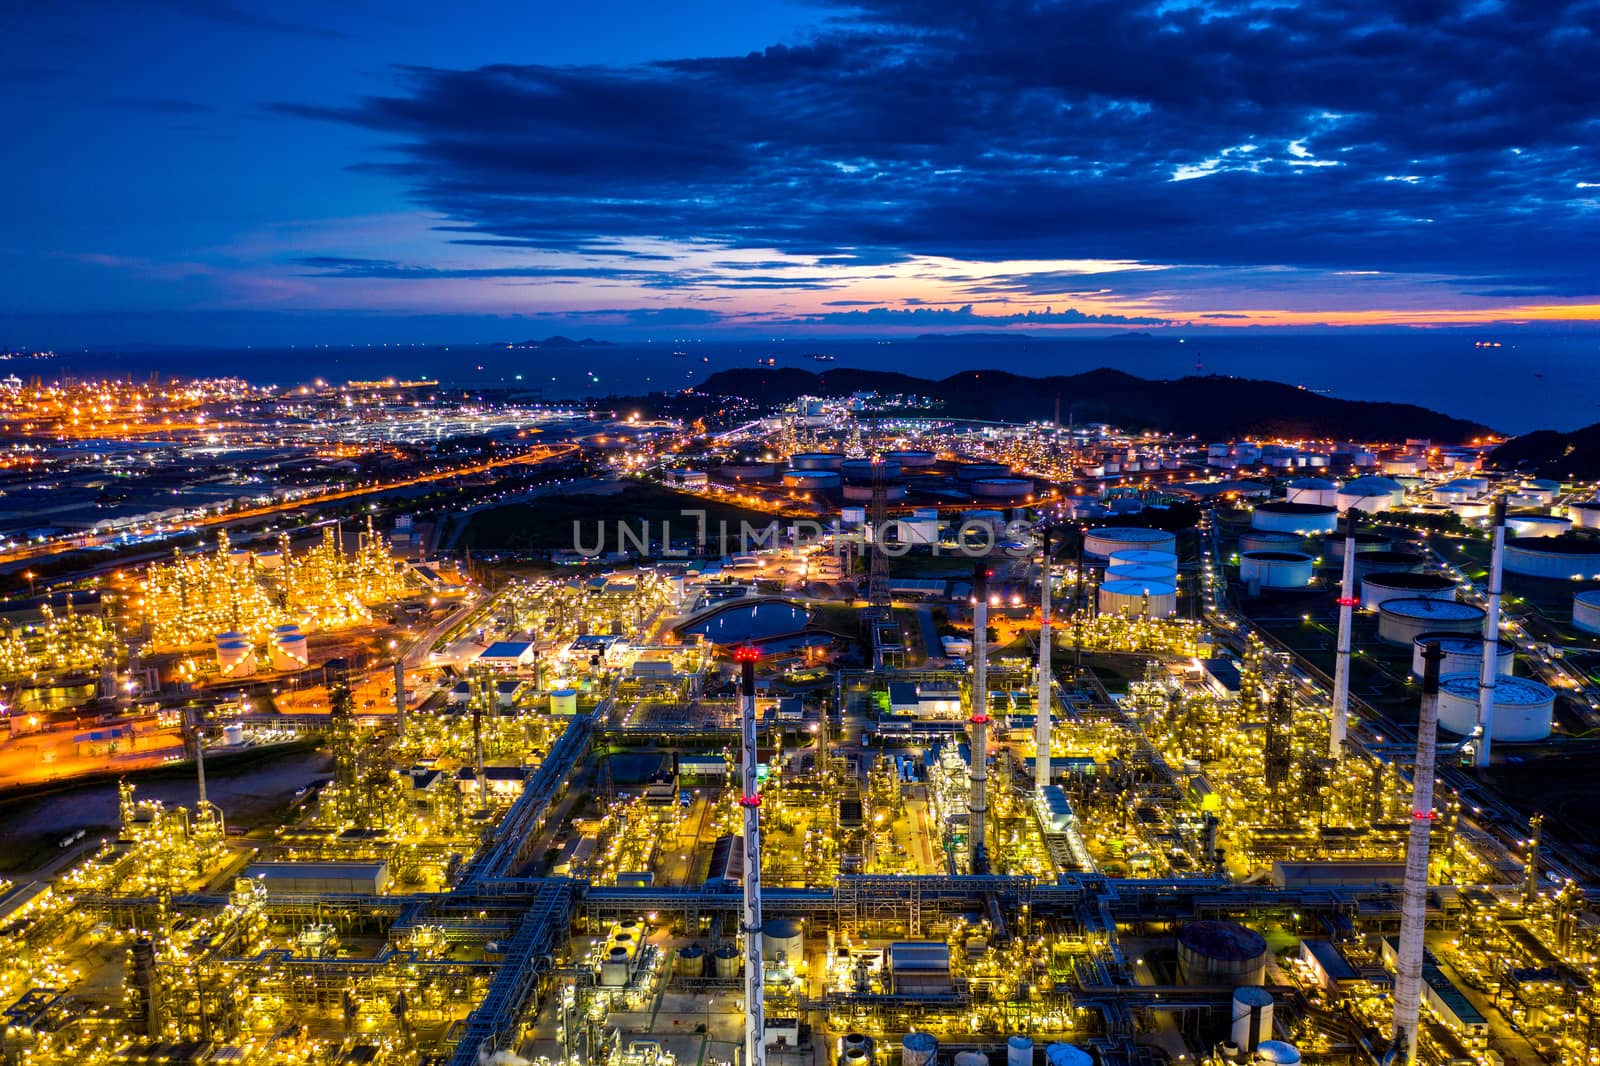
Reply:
x=1211, y=406
x=1551, y=454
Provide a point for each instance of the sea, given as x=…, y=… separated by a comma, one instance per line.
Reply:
x=1513, y=382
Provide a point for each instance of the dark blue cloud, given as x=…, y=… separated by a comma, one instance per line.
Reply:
x=1347, y=135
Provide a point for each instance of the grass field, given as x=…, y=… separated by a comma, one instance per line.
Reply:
x=547, y=523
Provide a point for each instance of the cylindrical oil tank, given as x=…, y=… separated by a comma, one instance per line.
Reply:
x=1270, y=540
x=726, y=962
x=1313, y=490
x=270, y=560
x=1386, y=562
x=1376, y=589
x=1522, y=707
x=1277, y=1053
x=995, y=520
x=919, y=1049
x=867, y=469
x=236, y=658
x=1285, y=517
x=1141, y=572
x=970, y=1058
x=1142, y=556
x=233, y=734
x=856, y=1049
x=1536, y=525
x=1586, y=611
x=1403, y=621
x=912, y=459
x=981, y=468
x=1135, y=599
x=1569, y=558
x=1100, y=543
x=1541, y=489
x=1276, y=570
x=1067, y=1055
x=1252, y=1017
x=1463, y=654
x=783, y=940
x=564, y=701
x=752, y=470
x=230, y=636
x=811, y=480
x=1019, y=1051
x=855, y=1057
x=1220, y=953
x=1466, y=510
x=863, y=492
x=1366, y=541
x=692, y=961
x=289, y=651
x=1002, y=488
x=816, y=461
x=1584, y=515
x=1371, y=494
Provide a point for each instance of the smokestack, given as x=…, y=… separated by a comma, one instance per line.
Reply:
x=1341, y=669
x=755, y=1050
x=199, y=756
x=1041, y=736
x=400, y=696
x=1413, y=903
x=1489, y=668
x=978, y=772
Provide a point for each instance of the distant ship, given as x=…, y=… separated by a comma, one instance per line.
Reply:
x=821, y=357
x=680, y=355
x=766, y=360
x=1486, y=344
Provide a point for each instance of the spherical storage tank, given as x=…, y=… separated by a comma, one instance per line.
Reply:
x=1270, y=540
x=1586, y=611
x=1276, y=570
x=1522, y=707
x=1536, y=525
x=1220, y=953
x=1141, y=557
x=816, y=461
x=1463, y=654
x=1286, y=517
x=1371, y=494
x=1002, y=488
x=1132, y=599
x=1314, y=490
x=1402, y=621
x=1377, y=589
x=1584, y=515
x=1567, y=558
x=1141, y=572
x=1100, y=543
x=811, y=480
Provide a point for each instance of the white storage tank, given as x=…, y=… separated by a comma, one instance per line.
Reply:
x=289, y=651
x=912, y=458
x=783, y=941
x=1371, y=494
x=1541, y=489
x=1140, y=556
x=233, y=734
x=1403, y=621
x=1100, y=543
x=1586, y=611
x=1002, y=488
x=1067, y=1055
x=564, y=701
x=1252, y=1016
x=1536, y=525
x=1277, y=1053
x=1285, y=517
x=1276, y=570
x=1463, y=654
x=1019, y=1051
x=1314, y=490
x=816, y=461
x=1366, y=541
x=1270, y=540
x=919, y=1049
x=1141, y=572
x=236, y=658
x=970, y=1058
x=1584, y=515
x=1523, y=708
x=725, y=963
x=1568, y=558
x=1132, y=599
x=1377, y=589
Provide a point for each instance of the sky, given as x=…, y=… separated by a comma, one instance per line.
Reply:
x=219, y=171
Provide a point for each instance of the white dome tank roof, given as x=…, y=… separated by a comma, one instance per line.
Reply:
x=1508, y=691
x=1371, y=486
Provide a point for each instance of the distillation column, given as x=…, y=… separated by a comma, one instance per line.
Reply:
x=1413, y=903
x=1041, y=735
x=199, y=756
x=400, y=696
x=1489, y=668
x=978, y=772
x=1341, y=667
x=755, y=1049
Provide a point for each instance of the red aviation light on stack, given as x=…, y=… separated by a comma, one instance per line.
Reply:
x=747, y=654
x=1348, y=601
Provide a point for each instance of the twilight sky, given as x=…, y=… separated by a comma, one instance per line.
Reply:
x=219, y=171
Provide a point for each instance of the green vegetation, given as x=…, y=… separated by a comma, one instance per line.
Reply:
x=547, y=523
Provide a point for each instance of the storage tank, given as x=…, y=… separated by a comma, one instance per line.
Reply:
x=970, y=1058
x=1270, y=540
x=1568, y=558
x=1141, y=572
x=726, y=962
x=1002, y=488
x=919, y=1049
x=564, y=701
x=1522, y=707
x=856, y=1049
x=1376, y=589
x=1536, y=525
x=1403, y=621
x=1584, y=515
x=1141, y=556
x=1463, y=654
x=1371, y=494
x=289, y=651
x=1252, y=1017
x=864, y=469
x=912, y=459
x=1386, y=562
x=1285, y=517
x=1366, y=541
x=1586, y=611
x=1466, y=510
x=1220, y=953
x=692, y=961
x=1276, y=570
x=1132, y=599
x=1541, y=489
x=752, y=470
x=783, y=941
x=1277, y=1053
x=1314, y=490
x=236, y=658
x=1019, y=1051
x=1100, y=543
x=811, y=480
x=863, y=492
x=1067, y=1055
x=981, y=468
x=233, y=734
x=816, y=461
